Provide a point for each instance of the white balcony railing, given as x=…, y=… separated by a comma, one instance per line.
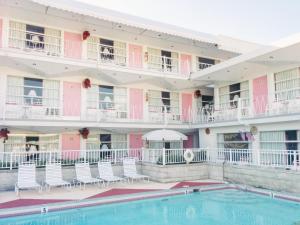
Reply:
x=35, y=42
x=10, y=160
x=245, y=157
x=163, y=64
x=107, y=54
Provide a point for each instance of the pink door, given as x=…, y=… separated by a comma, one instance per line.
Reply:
x=72, y=99
x=189, y=142
x=1, y=33
x=70, y=146
x=135, y=56
x=187, y=101
x=135, y=144
x=136, y=103
x=72, y=45
x=186, y=64
x=260, y=94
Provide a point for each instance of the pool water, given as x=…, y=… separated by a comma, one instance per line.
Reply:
x=226, y=207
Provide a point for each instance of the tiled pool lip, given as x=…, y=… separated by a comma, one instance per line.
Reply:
x=52, y=207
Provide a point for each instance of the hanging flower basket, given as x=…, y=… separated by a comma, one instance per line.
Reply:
x=85, y=35
x=86, y=83
x=84, y=133
x=197, y=94
x=207, y=131
x=4, y=133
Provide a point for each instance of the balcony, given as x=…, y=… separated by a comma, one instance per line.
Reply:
x=242, y=111
x=163, y=64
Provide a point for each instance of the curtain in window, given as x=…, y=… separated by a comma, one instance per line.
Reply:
x=224, y=96
x=119, y=141
x=93, y=142
x=155, y=145
x=52, y=41
x=287, y=84
x=154, y=59
x=49, y=143
x=155, y=102
x=175, y=103
x=93, y=48
x=174, y=61
x=176, y=145
x=93, y=97
x=245, y=93
x=15, y=144
x=120, y=52
x=15, y=90
x=120, y=97
x=51, y=96
x=272, y=140
x=17, y=34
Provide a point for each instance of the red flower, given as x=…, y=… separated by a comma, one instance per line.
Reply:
x=86, y=83
x=4, y=133
x=84, y=133
x=85, y=35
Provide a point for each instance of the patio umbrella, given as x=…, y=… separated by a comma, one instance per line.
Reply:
x=164, y=135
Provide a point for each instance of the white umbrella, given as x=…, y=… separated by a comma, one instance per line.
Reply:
x=164, y=135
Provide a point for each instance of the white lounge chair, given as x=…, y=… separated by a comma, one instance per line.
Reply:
x=130, y=171
x=54, y=176
x=84, y=176
x=27, y=178
x=106, y=172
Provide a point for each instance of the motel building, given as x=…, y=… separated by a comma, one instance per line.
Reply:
x=85, y=84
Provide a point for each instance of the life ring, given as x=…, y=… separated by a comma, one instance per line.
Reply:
x=188, y=155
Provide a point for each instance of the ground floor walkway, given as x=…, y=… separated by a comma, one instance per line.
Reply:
x=8, y=199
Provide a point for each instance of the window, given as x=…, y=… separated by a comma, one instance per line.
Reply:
x=163, y=61
x=35, y=37
x=278, y=141
x=207, y=100
x=204, y=63
x=161, y=100
x=32, y=144
x=287, y=85
x=229, y=95
x=107, y=49
x=33, y=91
x=106, y=97
x=105, y=141
x=166, y=60
x=240, y=140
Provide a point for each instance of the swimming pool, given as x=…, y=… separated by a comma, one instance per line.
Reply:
x=218, y=207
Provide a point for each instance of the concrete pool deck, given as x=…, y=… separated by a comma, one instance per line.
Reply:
x=9, y=199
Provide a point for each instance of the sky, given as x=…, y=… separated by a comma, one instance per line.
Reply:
x=261, y=21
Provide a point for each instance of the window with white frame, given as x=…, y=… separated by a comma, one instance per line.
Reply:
x=204, y=63
x=107, y=141
x=287, y=84
x=159, y=101
x=161, y=60
x=241, y=140
x=106, y=97
x=229, y=95
x=32, y=143
x=32, y=91
x=106, y=50
x=27, y=36
x=273, y=144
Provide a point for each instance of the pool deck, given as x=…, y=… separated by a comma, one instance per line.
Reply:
x=8, y=199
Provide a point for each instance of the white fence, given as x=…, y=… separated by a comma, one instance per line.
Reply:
x=264, y=158
x=10, y=160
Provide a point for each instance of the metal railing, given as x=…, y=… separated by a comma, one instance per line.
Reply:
x=163, y=64
x=249, y=157
x=107, y=54
x=172, y=156
x=202, y=66
x=10, y=160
